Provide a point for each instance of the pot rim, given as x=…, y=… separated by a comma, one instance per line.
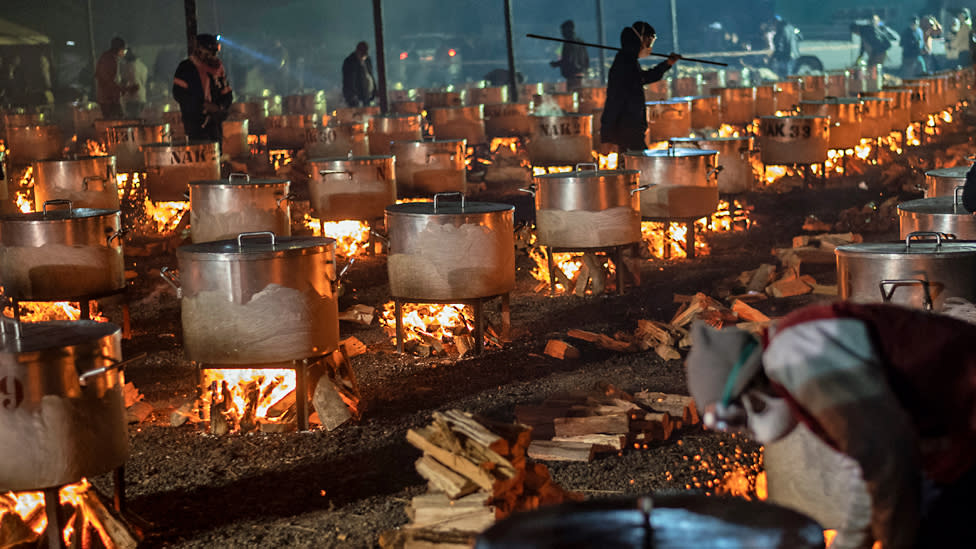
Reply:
x=171, y=145
x=579, y=174
x=425, y=209
x=367, y=158
x=55, y=334
x=87, y=158
x=957, y=172
x=229, y=249
x=239, y=183
x=899, y=250
x=671, y=153
x=58, y=215
x=937, y=205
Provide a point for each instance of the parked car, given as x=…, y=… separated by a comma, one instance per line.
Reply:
x=424, y=60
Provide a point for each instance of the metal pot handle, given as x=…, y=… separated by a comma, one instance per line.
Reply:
x=242, y=236
x=336, y=172
x=238, y=175
x=172, y=279
x=586, y=164
x=84, y=182
x=116, y=365
x=290, y=197
x=57, y=201
x=439, y=153
x=637, y=189
x=957, y=198
x=530, y=189
x=895, y=283
x=116, y=235
x=920, y=234
x=714, y=171
x=449, y=194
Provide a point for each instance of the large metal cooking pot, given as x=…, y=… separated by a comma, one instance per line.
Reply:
x=788, y=94
x=441, y=98
x=337, y=139
x=175, y=121
x=83, y=117
x=667, y=119
x=171, y=166
x=587, y=208
x=706, y=111
x=591, y=99
x=673, y=521
x=507, y=120
x=63, y=413
x=766, y=99
x=234, y=142
x=424, y=168
x=561, y=140
x=845, y=119
x=466, y=123
x=103, y=124
x=684, y=86
x=682, y=182
x=944, y=181
x=225, y=208
x=304, y=103
x=25, y=144
x=935, y=91
x=258, y=299
x=866, y=79
x=899, y=108
x=814, y=86
x=124, y=142
x=916, y=273
x=942, y=214
x=254, y=111
x=351, y=187
x=287, y=131
x=407, y=106
x=837, y=81
x=658, y=91
x=87, y=181
x=735, y=153
x=487, y=95
x=789, y=140
x=920, y=106
x=61, y=254
x=432, y=248
x=360, y=115
x=875, y=116
x=12, y=119
x=738, y=104
x=714, y=79
x=383, y=130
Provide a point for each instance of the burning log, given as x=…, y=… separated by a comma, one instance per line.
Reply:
x=557, y=348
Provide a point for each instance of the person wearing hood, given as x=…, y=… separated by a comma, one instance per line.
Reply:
x=624, y=119
x=201, y=88
x=891, y=388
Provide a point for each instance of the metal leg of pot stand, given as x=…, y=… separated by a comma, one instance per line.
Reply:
x=506, y=317
x=118, y=483
x=552, y=273
x=84, y=307
x=301, y=390
x=479, y=325
x=200, y=390
x=52, y=507
x=398, y=314
x=690, y=239
x=618, y=261
x=126, y=322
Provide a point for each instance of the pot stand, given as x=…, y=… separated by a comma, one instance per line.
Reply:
x=302, y=404
x=479, y=318
x=56, y=521
x=84, y=304
x=615, y=253
x=689, y=223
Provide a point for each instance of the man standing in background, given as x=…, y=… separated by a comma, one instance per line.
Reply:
x=574, y=61
x=358, y=84
x=201, y=88
x=135, y=73
x=108, y=87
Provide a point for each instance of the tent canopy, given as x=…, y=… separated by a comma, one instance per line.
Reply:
x=12, y=34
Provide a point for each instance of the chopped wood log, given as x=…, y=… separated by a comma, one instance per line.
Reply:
x=602, y=340
x=540, y=419
x=597, y=272
x=788, y=287
x=426, y=538
x=667, y=352
x=825, y=290
x=747, y=312
x=14, y=531
x=353, y=346
x=181, y=415
x=654, y=427
x=613, y=424
x=457, y=463
x=138, y=412
x=677, y=406
x=444, y=479
x=601, y=443
x=360, y=314
x=653, y=333
x=439, y=512
x=434, y=343
x=119, y=534
x=561, y=451
x=329, y=405
x=464, y=344
x=249, y=417
x=219, y=423
x=604, y=405
x=465, y=424
x=582, y=279
x=282, y=405
x=562, y=279
x=761, y=278
x=557, y=348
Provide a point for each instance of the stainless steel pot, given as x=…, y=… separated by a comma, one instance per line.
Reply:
x=175, y=121
x=706, y=112
x=587, y=208
x=466, y=123
x=125, y=142
x=440, y=98
x=814, y=87
x=685, y=86
x=304, y=103
x=667, y=119
x=225, y=208
x=234, y=142
x=432, y=248
x=845, y=119
x=866, y=79
x=942, y=214
x=715, y=79
x=356, y=187
x=411, y=107
x=738, y=104
x=916, y=273
x=63, y=412
x=13, y=119
x=876, y=116
x=87, y=181
x=254, y=111
x=83, y=117
x=735, y=154
x=899, y=107
x=338, y=139
x=562, y=140
x=837, y=81
x=591, y=99
x=555, y=103
x=360, y=115
x=171, y=166
x=424, y=168
x=682, y=182
x=287, y=131
x=507, y=120
x=658, y=91
x=944, y=181
x=61, y=254
x=258, y=299
x=789, y=140
x=103, y=124
x=766, y=99
x=921, y=105
x=487, y=95
x=788, y=94
x=383, y=130
x=26, y=144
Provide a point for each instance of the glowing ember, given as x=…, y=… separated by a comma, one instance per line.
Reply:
x=25, y=191
x=569, y=263
x=607, y=161
x=543, y=170
x=95, y=148
x=912, y=138
x=280, y=158
x=772, y=174
x=352, y=237
x=864, y=149
x=247, y=397
x=165, y=216
x=511, y=143
x=669, y=240
x=730, y=217
x=27, y=508
x=429, y=322
x=726, y=130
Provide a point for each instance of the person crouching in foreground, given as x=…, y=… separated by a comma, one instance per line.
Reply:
x=893, y=388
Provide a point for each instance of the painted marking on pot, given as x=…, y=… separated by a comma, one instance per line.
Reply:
x=12, y=391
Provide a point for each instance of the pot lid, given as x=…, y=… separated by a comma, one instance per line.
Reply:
x=672, y=101
x=666, y=153
x=959, y=172
x=705, y=139
x=448, y=208
x=56, y=215
x=141, y=124
x=834, y=101
x=697, y=98
x=563, y=115
x=239, y=182
x=577, y=174
x=917, y=247
x=106, y=158
x=369, y=158
x=258, y=245
x=39, y=336
x=876, y=98
x=945, y=205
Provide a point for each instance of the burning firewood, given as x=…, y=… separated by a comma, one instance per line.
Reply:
x=560, y=349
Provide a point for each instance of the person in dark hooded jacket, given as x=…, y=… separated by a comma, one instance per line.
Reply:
x=624, y=119
x=969, y=190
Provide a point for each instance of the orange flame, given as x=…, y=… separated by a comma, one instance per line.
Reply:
x=426, y=322
x=510, y=143
x=29, y=507
x=261, y=388
x=25, y=202
x=352, y=237
x=607, y=161
x=280, y=158
x=95, y=148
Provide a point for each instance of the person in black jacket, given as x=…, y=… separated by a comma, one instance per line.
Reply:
x=624, y=119
x=358, y=84
x=574, y=61
x=969, y=191
x=201, y=88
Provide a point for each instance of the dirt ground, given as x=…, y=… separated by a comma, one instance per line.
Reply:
x=343, y=488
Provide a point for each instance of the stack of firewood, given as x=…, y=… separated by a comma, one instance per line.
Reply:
x=578, y=425
x=477, y=472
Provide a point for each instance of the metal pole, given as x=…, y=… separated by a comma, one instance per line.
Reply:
x=91, y=36
x=601, y=37
x=190, y=10
x=674, y=26
x=512, y=80
x=380, y=54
